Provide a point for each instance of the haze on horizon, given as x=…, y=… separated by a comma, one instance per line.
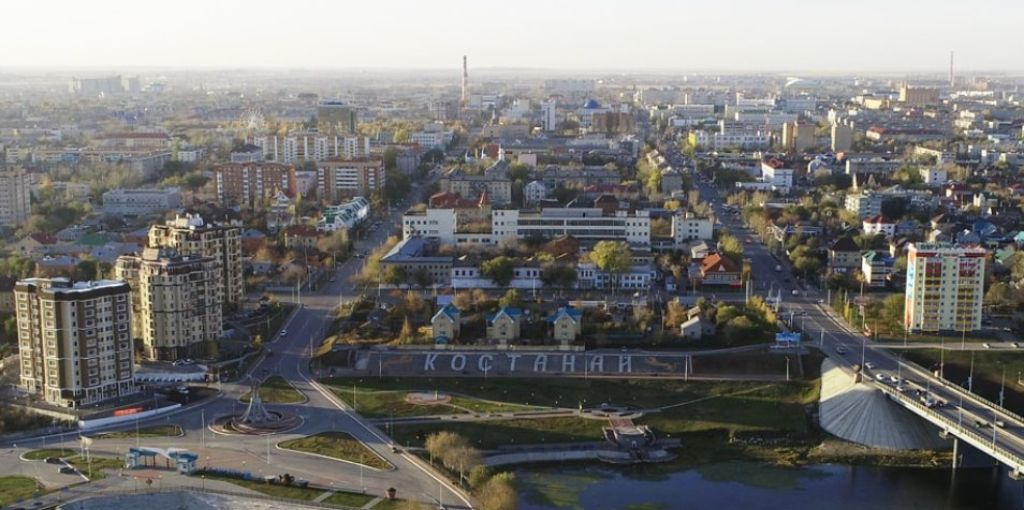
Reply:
x=656, y=35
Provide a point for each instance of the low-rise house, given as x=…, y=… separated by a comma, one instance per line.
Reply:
x=301, y=236
x=878, y=225
x=60, y=265
x=843, y=255
x=504, y=325
x=718, y=270
x=876, y=268
x=696, y=327
x=36, y=242
x=566, y=324
x=446, y=324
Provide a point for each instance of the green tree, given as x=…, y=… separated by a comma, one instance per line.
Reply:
x=422, y=278
x=739, y=329
x=395, y=275
x=731, y=248
x=498, y=493
x=1001, y=296
x=510, y=298
x=561, y=276
x=612, y=257
x=500, y=270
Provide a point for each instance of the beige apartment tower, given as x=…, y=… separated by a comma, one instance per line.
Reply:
x=190, y=235
x=945, y=287
x=15, y=190
x=74, y=340
x=176, y=302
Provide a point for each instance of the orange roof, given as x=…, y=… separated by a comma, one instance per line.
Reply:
x=715, y=263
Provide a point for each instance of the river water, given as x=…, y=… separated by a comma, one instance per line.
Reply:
x=748, y=485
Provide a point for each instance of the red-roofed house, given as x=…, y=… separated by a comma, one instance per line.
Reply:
x=878, y=225
x=718, y=270
x=301, y=236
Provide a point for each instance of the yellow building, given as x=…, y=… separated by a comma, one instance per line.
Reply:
x=504, y=324
x=566, y=324
x=446, y=324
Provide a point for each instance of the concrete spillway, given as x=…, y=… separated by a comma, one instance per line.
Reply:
x=859, y=413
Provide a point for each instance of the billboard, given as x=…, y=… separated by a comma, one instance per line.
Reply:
x=787, y=338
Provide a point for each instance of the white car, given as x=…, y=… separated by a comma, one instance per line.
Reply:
x=284, y=332
x=880, y=377
x=869, y=365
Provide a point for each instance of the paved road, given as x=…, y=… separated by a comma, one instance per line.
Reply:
x=848, y=348
x=323, y=411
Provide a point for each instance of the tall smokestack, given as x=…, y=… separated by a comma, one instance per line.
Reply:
x=952, y=79
x=465, y=80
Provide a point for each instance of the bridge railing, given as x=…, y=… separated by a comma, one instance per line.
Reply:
x=982, y=442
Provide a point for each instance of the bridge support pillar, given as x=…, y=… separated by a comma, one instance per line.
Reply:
x=956, y=453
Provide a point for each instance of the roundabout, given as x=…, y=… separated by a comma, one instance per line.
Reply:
x=257, y=420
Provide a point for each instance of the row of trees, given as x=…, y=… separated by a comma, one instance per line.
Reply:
x=492, y=491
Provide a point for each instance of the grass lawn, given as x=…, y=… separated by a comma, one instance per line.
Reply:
x=72, y=457
x=276, y=390
x=338, y=445
x=491, y=434
x=349, y=499
x=732, y=406
x=372, y=401
x=17, y=488
x=291, y=492
x=775, y=407
x=390, y=504
x=549, y=392
x=155, y=431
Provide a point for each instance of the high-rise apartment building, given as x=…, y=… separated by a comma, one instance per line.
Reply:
x=176, y=302
x=190, y=235
x=15, y=190
x=797, y=136
x=74, y=340
x=252, y=184
x=340, y=180
x=945, y=286
x=336, y=118
x=842, y=137
x=918, y=96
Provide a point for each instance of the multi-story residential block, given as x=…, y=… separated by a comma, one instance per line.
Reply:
x=918, y=96
x=584, y=223
x=301, y=147
x=416, y=254
x=496, y=184
x=878, y=225
x=933, y=176
x=772, y=172
x=842, y=138
x=797, y=136
x=15, y=190
x=945, y=286
x=864, y=205
x=176, y=302
x=843, y=255
x=336, y=117
x=190, y=235
x=75, y=340
x=690, y=227
x=252, y=184
x=876, y=267
x=534, y=191
x=140, y=202
x=338, y=180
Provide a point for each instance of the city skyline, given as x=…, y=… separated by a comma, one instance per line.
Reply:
x=799, y=36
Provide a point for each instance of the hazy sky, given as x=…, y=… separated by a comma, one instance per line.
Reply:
x=680, y=35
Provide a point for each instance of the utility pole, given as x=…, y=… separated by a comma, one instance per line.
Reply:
x=970, y=376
